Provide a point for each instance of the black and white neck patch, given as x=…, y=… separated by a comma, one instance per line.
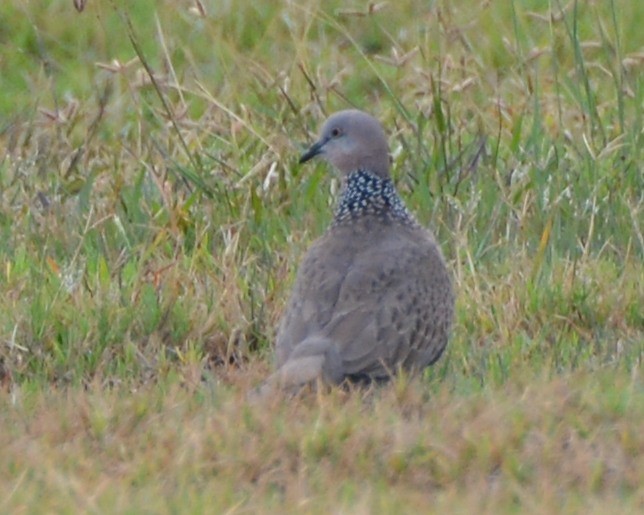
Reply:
x=366, y=194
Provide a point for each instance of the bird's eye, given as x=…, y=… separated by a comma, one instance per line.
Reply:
x=335, y=132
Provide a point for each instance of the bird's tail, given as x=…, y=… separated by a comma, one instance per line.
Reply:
x=316, y=358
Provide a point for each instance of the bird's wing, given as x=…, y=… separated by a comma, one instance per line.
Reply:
x=390, y=310
x=314, y=295
x=379, y=306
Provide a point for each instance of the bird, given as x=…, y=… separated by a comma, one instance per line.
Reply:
x=373, y=295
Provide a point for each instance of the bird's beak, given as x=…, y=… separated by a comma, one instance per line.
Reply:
x=315, y=149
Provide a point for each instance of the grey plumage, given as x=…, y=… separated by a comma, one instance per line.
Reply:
x=372, y=295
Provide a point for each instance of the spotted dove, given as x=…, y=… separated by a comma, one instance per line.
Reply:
x=372, y=295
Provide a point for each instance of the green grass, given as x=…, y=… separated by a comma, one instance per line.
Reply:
x=150, y=231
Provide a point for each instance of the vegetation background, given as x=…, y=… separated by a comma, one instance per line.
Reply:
x=152, y=216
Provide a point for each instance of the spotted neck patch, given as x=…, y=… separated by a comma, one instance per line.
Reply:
x=367, y=194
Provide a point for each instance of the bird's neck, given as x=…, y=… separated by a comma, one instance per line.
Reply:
x=366, y=194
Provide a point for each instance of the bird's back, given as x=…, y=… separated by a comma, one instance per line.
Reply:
x=379, y=291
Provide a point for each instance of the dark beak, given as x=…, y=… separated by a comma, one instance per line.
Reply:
x=315, y=149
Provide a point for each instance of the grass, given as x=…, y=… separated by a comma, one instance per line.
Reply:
x=152, y=216
x=565, y=445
